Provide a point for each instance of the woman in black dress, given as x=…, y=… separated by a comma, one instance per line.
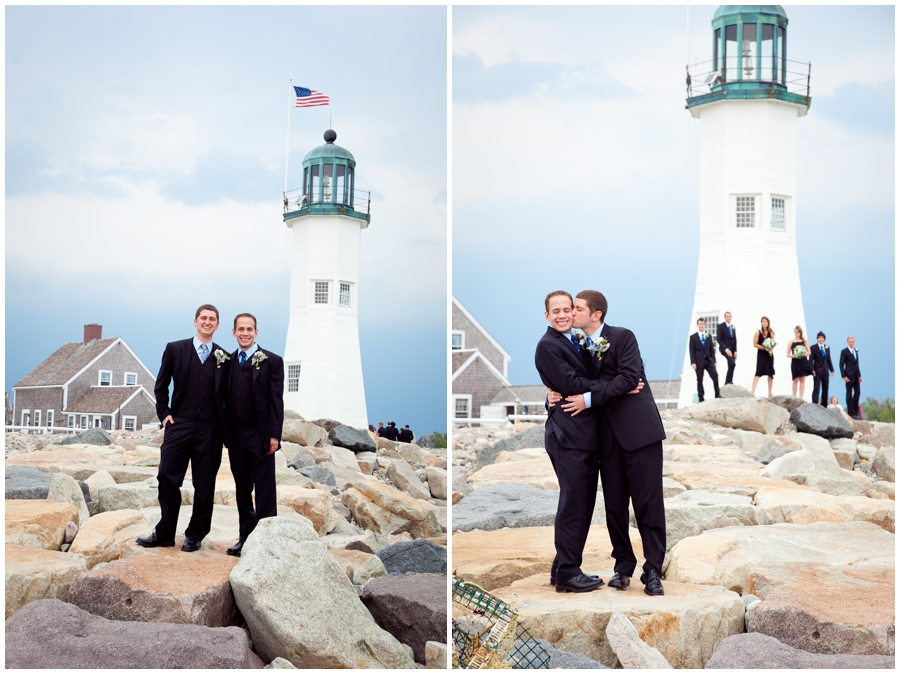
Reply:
x=765, y=363
x=801, y=367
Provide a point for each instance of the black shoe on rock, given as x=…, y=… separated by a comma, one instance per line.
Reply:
x=235, y=550
x=190, y=545
x=580, y=583
x=652, y=583
x=589, y=575
x=619, y=581
x=152, y=541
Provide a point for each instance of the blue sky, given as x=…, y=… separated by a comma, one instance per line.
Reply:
x=145, y=151
x=575, y=165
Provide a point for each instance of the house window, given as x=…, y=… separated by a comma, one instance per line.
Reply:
x=746, y=212
x=712, y=324
x=105, y=378
x=84, y=420
x=49, y=418
x=71, y=422
x=26, y=417
x=462, y=406
x=37, y=418
x=345, y=294
x=293, y=378
x=97, y=422
x=321, y=292
x=457, y=340
x=778, y=214
x=130, y=423
x=131, y=379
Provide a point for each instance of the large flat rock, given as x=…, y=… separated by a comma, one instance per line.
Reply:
x=685, y=625
x=69, y=460
x=495, y=559
x=805, y=506
x=535, y=472
x=51, y=634
x=756, y=414
x=34, y=573
x=720, y=469
x=507, y=504
x=26, y=482
x=386, y=510
x=105, y=536
x=826, y=423
x=38, y=523
x=693, y=512
x=758, y=651
x=530, y=437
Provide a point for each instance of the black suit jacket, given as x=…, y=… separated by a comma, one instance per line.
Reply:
x=268, y=394
x=821, y=364
x=849, y=366
x=697, y=349
x=725, y=341
x=567, y=372
x=174, y=367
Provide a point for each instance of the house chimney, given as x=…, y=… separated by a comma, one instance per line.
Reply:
x=92, y=331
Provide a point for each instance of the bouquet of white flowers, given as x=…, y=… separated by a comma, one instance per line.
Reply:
x=799, y=352
x=769, y=344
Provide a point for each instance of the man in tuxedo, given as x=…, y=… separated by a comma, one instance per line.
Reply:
x=726, y=334
x=821, y=361
x=703, y=358
x=406, y=435
x=850, y=371
x=571, y=443
x=391, y=432
x=630, y=441
x=255, y=405
x=194, y=425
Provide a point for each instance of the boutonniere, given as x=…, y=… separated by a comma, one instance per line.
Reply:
x=258, y=358
x=856, y=351
x=221, y=357
x=597, y=349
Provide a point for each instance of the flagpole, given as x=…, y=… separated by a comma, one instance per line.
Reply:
x=287, y=147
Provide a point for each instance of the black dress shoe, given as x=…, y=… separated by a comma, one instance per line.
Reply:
x=190, y=545
x=619, y=581
x=580, y=583
x=652, y=583
x=235, y=550
x=152, y=541
x=589, y=575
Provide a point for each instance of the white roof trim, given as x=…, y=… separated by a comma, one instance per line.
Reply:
x=141, y=389
x=119, y=340
x=140, y=362
x=16, y=388
x=481, y=329
x=478, y=355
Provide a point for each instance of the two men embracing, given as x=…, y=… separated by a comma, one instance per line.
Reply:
x=602, y=421
x=236, y=399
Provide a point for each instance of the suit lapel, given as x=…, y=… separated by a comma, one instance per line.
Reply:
x=255, y=369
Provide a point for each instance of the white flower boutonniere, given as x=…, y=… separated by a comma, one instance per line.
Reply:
x=258, y=358
x=221, y=357
x=596, y=349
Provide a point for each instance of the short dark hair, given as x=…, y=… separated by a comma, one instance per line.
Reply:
x=208, y=307
x=701, y=319
x=595, y=301
x=821, y=334
x=407, y=426
x=245, y=315
x=556, y=293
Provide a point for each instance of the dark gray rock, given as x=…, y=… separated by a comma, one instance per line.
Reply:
x=532, y=437
x=327, y=424
x=413, y=608
x=359, y=545
x=759, y=651
x=342, y=510
x=297, y=465
x=92, y=436
x=505, y=504
x=790, y=403
x=352, y=439
x=319, y=474
x=26, y=482
x=827, y=423
x=51, y=634
x=421, y=556
x=558, y=659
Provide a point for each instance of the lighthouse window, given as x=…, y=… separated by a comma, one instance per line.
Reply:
x=314, y=183
x=293, y=378
x=748, y=51
x=731, y=52
x=767, y=51
x=339, y=184
x=778, y=214
x=321, y=292
x=326, y=182
x=746, y=212
x=712, y=323
x=345, y=294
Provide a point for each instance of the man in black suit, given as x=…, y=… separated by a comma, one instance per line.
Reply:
x=630, y=440
x=194, y=426
x=850, y=371
x=703, y=358
x=391, y=432
x=406, y=435
x=255, y=405
x=726, y=334
x=821, y=361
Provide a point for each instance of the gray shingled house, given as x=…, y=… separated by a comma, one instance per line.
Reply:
x=96, y=383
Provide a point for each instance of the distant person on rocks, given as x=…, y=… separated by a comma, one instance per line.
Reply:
x=406, y=435
x=703, y=358
x=371, y=428
x=835, y=403
x=380, y=431
x=821, y=367
x=765, y=362
x=391, y=432
x=801, y=364
x=194, y=427
x=726, y=334
x=852, y=375
x=255, y=406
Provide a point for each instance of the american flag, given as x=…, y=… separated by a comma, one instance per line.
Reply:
x=308, y=98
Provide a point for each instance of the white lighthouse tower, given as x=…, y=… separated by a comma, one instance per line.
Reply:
x=323, y=369
x=748, y=99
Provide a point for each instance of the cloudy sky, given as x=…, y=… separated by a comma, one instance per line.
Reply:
x=575, y=166
x=145, y=152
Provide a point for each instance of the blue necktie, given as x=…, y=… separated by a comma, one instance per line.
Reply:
x=242, y=357
x=822, y=349
x=589, y=342
x=854, y=354
x=730, y=333
x=575, y=342
x=703, y=340
x=204, y=353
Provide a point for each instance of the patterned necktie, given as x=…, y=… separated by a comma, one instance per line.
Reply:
x=589, y=342
x=204, y=353
x=703, y=340
x=730, y=333
x=575, y=342
x=242, y=357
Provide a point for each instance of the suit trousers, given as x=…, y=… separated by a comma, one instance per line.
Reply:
x=707, y=365
x=820, y=381
x=729, y=375
x=853, y=397
x=200, y=444
x=636, y=475
x=252, y=469
x=577, y=471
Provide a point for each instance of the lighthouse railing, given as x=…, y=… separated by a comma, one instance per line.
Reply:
x=703, y=78
x=359, y=201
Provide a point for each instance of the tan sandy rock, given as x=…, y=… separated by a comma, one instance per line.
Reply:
x=39, y=523
x=315, y=505
x=521, y=455
x=34, y=573
x=105, y=535
x=754, y=414
x=386, y=510
x=807, y=506
x=358, y=565
x=536, y=472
